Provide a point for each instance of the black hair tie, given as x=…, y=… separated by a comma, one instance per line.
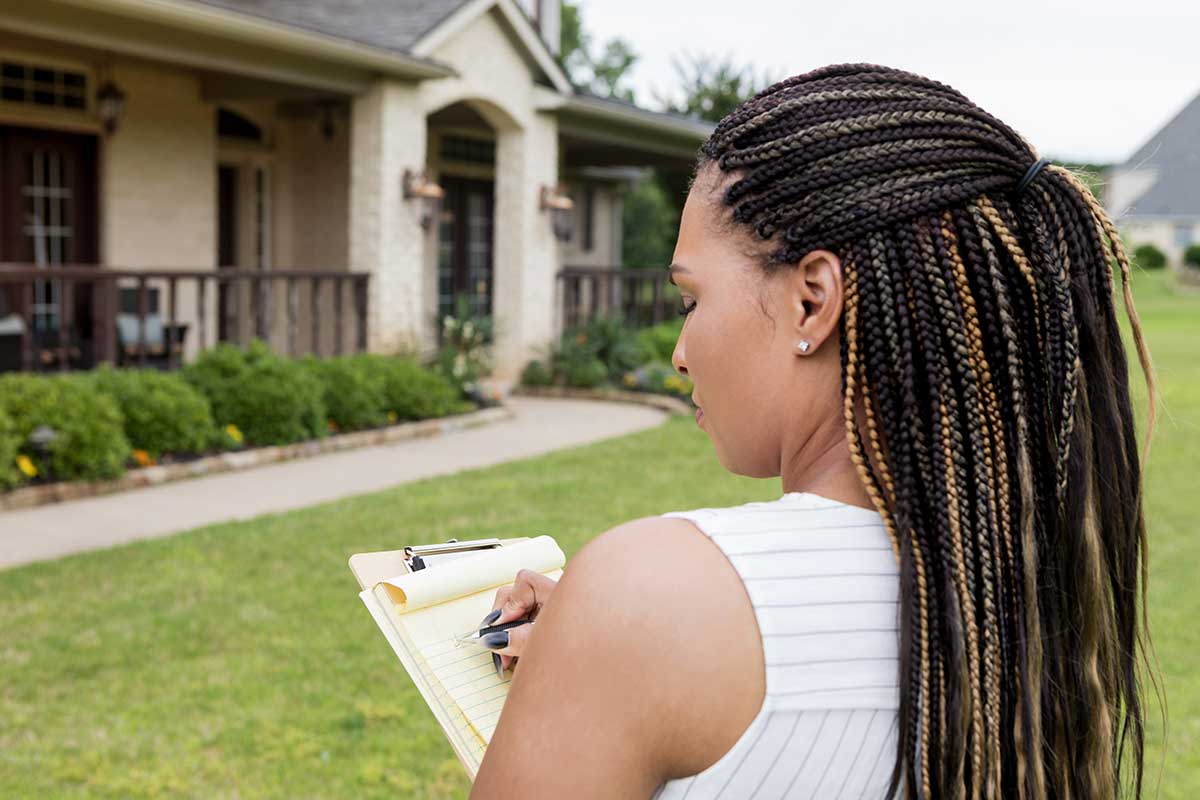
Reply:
x=1031, y=173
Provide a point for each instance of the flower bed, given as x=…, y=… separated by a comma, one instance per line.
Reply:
x=605, y=352
x=93, y=426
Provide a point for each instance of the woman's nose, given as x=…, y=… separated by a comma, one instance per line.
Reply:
x=677, y=357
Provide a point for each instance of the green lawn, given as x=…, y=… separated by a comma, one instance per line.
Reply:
x=237, y=660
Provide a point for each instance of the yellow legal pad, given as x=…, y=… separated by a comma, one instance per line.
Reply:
x=420, y=612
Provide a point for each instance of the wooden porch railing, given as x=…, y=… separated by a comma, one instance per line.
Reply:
x=641, y=296
x=247, y=300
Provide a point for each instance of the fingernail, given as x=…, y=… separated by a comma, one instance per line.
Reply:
x=497, y=640
x=499, y=665
x=490, y=618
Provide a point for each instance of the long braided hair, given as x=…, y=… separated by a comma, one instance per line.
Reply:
x=987, y=410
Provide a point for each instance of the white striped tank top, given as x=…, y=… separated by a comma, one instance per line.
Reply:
x=825, y=589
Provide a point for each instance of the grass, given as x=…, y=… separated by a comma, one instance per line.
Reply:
x=237, y=661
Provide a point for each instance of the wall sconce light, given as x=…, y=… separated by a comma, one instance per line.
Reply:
x=562, y=218
x=110, y=102
x=418, y=185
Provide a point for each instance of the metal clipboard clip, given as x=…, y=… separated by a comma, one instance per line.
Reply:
x=414, y=555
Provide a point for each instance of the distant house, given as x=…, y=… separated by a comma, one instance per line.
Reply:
x=264, y=164
x=1154, y=196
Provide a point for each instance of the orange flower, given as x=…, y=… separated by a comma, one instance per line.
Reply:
x=143, y=458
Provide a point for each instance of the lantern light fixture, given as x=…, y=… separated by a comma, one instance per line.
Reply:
x=110, y=103
x=418, y=185
x=562, y=217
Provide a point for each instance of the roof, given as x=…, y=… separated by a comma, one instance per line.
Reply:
x=388, y=24
x=1174, y=153
x=1176, y=144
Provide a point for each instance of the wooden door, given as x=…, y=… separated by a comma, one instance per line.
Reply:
x=48, y=216
x=465, y=245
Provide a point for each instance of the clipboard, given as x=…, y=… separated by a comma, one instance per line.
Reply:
x=401, y=590
x=372, y=567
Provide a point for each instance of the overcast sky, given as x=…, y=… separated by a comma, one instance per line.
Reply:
x=1081, y=80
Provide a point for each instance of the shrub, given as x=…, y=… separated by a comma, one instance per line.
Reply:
x=1191, y=256
x=410, y=391
x=587, y=373
x=353, y=392
x=659, y=340
x=162, y=412
x=536, y=373
x=609, y=339
x=659, y=377
x=269, y=399
x=89, y=441
x=1147, y=256
x=9, y=445
x=464, y=355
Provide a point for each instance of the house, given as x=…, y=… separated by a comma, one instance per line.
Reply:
x=329, y=175
x=1154, y=196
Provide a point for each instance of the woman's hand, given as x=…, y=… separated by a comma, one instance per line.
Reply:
x=523, y=598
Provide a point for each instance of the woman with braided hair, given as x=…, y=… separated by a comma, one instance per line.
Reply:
x=897, y=307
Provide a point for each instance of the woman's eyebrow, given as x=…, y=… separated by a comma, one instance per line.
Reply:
x=672, y=270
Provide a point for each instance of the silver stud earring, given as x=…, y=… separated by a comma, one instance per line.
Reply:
x=803, y=345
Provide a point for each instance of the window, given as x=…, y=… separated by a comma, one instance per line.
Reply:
x=1184, y=234
x=41, y=85
x=468, y=149
x=234, y=126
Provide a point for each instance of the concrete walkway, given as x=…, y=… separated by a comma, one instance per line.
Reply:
x=540, y=426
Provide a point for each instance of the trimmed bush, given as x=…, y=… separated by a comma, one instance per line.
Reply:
x=536, y=373
x=90, y=440
x=1191, y=256
x=9, y=445
x=587, y=374
x=412, y=392
x=659, y=341
x=162, y=412
x=1147, y=256
x=352, y=391
x=271, y=400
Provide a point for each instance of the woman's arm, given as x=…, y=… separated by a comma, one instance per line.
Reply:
x=612, y=693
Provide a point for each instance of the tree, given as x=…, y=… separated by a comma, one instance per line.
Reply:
x=601, y=75
x=712, y=89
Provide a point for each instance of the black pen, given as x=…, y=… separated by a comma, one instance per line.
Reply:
x=475, y=637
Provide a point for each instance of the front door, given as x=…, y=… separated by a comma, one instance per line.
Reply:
x=48, y=216
x=465, y=245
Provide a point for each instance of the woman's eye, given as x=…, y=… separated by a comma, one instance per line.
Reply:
x=684, y=310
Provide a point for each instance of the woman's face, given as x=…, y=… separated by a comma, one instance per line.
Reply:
x=763, y=401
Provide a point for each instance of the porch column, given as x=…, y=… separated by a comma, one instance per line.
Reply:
x=526, y=253
x=386, y=238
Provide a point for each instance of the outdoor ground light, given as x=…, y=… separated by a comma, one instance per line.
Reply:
x=417, y=185
x=562, y=218
x=110, y=102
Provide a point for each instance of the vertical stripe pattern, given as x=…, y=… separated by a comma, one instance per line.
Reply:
x=825, y=588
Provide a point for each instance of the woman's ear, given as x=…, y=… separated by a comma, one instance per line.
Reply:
x=815, y=296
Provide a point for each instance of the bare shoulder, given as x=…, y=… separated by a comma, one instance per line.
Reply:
x=685, y=609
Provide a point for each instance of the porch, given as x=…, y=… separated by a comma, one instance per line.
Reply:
x=82, y=316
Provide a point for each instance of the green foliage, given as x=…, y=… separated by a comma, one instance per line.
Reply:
x=89, y=441
x=9, y=445
x=713, y=87
x=464, y=357
x=536, y=373
x=659, y=377
x=270, y=399
x=659, y=340
x=162, y=412
x=648, y=223
x=352, y=391
x=586, y=373
x=411, y=392
x=1147, y=256
x=608, y=339
x=1191, y=256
